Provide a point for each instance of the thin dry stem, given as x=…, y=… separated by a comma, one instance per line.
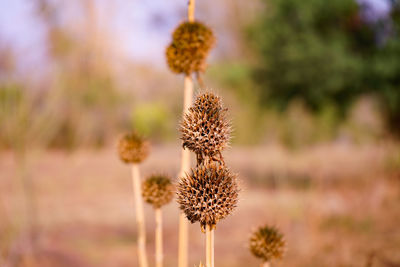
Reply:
x=212, y=247
x=191, y=7
x=209, y=246
x=137, y=191
x=185, y=168
x=159, y=242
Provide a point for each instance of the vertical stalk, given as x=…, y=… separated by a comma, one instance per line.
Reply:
x=209, y=246
x=137, y=191
x=185, y=163
x=159, y=242
x=212, y=248
x=191, y=6
x=185, y=167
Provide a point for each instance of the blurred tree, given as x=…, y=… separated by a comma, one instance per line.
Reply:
x=81, y=55
x=384, y=76
x=325, y=53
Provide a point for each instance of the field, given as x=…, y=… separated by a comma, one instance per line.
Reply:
x=337, y=204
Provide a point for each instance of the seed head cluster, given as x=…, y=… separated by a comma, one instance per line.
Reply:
x=267, y=243
x=191, y=43
x=205, y=130
x=157, y=190
x=208, y=194
x=133, y=148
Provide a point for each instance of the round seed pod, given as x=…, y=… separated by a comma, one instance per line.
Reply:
x=267, y=243
x=205, y=130
x=132, y=148
x=191, y=43
x=157, y=190
x=208, y=194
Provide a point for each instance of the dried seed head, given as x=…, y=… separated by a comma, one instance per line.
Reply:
x=157, y=190
x=132, y=148
x=267, y=243
x=205, y=129
x=191, y=43
x=208, y=194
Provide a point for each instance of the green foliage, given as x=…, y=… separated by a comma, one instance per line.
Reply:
x=324, y=53
x=153, y=120
x=385, y=78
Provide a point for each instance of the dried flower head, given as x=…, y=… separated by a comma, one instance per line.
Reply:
x=208, y=194
x=157, y=190
x=205, y=129
x=133, y=148
x=267, y=243
x=191, y=43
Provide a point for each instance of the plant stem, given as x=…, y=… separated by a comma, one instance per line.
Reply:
x=266, y=264
x=185, y=168
x=185, y=160
x=209, y=246
x=191, y=6
x=137, y=192
x=159, y=242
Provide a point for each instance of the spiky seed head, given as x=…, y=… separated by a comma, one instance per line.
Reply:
x=133, y=148
x=157, y=190
x=205, y=129
x=267, y=243
x=191, y=43
x=208, y=194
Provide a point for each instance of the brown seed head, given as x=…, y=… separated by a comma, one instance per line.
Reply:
x=132, y=148
x=267, y=243
x=157, y=190
x=191, y=43
x=208, y=194
x=205, y=129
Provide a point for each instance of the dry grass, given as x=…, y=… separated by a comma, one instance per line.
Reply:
x=336, y=204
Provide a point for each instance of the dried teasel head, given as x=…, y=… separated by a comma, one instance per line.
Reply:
x=205, y=130
x=191, y=43
x=208, y=194
x=267, y=243
x=133, y=148
x=157, y=190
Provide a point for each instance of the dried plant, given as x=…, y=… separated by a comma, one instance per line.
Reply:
x=205, y=130
x=186, y=54
x=267, y=243
x=208, y=194
x=134, y=149
x=158, y=191
x=190, y=46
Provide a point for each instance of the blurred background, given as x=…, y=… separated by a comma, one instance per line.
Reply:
x=313, y=90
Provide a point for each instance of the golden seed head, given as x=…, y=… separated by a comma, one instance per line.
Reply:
x=157, y=190
x=208, y=194
x=191, y=43
x=132, y=148
x=205, y=130
x=267, y=243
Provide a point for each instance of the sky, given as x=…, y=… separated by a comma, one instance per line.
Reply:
x=144, y=26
